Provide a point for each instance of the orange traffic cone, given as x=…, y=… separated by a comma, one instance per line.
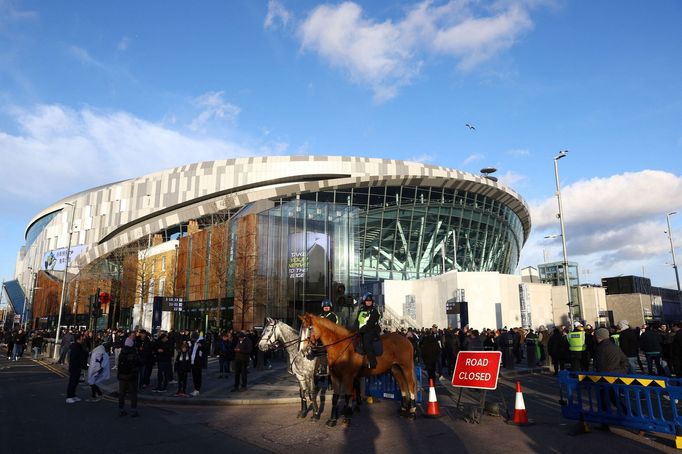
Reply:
x=520, y=415
x=433, y=410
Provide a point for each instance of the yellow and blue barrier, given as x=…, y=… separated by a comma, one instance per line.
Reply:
x=639, y=402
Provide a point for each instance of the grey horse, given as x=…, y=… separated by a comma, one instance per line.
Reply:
x=300, y=365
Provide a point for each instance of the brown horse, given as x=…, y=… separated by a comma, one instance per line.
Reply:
x=345, y=364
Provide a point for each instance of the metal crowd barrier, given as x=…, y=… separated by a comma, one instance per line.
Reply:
x=639, y=402
x=385, y=386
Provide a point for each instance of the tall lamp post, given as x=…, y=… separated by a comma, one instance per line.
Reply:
x=64, y=280
x=672, y=251
x=562, y=154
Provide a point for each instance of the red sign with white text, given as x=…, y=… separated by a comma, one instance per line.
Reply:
x=478, y=370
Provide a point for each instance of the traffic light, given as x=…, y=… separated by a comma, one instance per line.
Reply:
x=102, y=298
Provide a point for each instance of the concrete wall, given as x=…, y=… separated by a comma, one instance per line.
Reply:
x=593, y=300
x=493, y=299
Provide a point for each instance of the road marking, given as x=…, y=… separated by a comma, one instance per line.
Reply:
x=52, y=369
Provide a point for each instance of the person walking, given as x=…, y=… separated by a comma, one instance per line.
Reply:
x=198, y=360
x=183, y=366
x=651, y=343
x=242, y=352
x=163, y=351
x=98, y=370
x=628, y=341
x=78, y=360
x=64, y=344
x=225, y=354
x=430, y=349
x=127, y=372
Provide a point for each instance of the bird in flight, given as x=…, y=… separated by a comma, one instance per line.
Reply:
x=471, y=127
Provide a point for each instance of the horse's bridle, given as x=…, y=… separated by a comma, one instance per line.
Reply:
x=271, y=345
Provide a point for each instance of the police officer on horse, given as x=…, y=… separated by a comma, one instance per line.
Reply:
x=368, y=327
x=328, y=313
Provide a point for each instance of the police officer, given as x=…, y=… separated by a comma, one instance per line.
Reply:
x=368, y=327
x=577, y=346
x=322, y=365
x=327, y=311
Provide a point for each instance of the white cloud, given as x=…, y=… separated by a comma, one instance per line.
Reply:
x=214, y=107
x=58, y=151
x=423, y=158
x=518, y=152
x=123, y=44
x=84, y=57
x=612, y=223
x=510, y=178
x=9, y=13
x=387, y=55
x=276, y=12
x=472, y=158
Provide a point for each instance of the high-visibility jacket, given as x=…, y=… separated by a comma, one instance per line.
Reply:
x=616, y=339
x=576, y=341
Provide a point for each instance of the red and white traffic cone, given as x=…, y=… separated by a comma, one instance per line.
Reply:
x=432, y=410
x=520, y=415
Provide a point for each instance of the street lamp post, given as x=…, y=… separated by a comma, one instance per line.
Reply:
x=64, y=280
x=672, y=251
x=563, y=153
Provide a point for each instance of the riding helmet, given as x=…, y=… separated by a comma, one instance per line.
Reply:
x=327, y=303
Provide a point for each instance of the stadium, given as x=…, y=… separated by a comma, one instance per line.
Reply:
x=241, y=238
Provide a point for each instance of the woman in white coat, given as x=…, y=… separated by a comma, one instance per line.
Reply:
x=98, y=370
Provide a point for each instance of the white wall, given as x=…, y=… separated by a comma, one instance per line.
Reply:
x=484, y=291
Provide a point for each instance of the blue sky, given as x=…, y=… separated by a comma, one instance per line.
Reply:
x=94, y=92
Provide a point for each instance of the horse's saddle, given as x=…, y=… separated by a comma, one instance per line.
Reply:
x=360, y=349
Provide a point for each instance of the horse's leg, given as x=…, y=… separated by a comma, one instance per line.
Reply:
x=304, y=403
x=347, y=409
x=312, y=396
x=404, y=390
x=357, y=394
x=331, y=422
x=408, y=369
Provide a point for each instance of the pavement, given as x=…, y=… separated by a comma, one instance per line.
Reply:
x=33, y=392
x=266, y=386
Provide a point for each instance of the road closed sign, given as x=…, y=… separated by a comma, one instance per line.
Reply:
x=478, y=370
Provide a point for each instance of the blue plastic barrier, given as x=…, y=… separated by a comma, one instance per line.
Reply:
x=639, y=402
x=385, y=386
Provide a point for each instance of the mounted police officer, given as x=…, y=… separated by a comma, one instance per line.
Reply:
x=328, y=313
x=322, y=368
x=368, y=327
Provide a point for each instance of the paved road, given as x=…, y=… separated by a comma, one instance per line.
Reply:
x=36, y=419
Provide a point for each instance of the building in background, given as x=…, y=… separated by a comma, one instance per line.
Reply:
x=634, y=299
x=275, y=235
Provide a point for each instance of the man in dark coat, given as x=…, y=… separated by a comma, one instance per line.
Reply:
x=610, y=359
x=430, y=351
x=628, y=339
x=78, y=360
x=558, y=349
x=128, y=369
x=242, y=352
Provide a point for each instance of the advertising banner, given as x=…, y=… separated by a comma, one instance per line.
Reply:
x=55, y=260
x=304, y=249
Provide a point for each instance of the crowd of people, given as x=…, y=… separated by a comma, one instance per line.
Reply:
x=649, y=349
x=93, y=356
